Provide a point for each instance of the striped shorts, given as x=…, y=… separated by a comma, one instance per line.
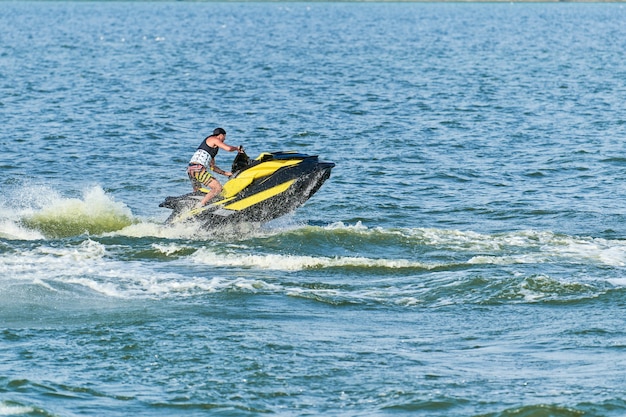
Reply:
x=198, y=176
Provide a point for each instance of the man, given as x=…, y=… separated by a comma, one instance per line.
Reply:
x=204, y=158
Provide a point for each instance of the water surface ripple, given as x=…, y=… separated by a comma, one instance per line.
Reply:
x=466, y=258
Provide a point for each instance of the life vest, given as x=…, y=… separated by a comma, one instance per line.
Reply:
x=204, y=154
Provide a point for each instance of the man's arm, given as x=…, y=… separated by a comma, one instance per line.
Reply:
x=217, y=169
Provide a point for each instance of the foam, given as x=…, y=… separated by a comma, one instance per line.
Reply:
x=297, y=263
x=35, y=213
x=607, y=252
x=149, y=229
x=14, y=410
x=94, y=213
x=50, y=261
x=13, y=231
x=89, y=266
x=507, y=260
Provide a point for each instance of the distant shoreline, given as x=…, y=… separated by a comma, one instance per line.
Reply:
x=362, y=1
x=322, y=1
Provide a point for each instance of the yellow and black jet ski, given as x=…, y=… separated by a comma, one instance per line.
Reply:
x=260, y=190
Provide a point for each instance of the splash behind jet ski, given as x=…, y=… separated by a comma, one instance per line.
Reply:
x=260, y=190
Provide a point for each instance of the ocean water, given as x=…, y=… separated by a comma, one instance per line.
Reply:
x=466, y=258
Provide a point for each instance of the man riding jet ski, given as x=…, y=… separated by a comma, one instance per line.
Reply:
x=259, y=190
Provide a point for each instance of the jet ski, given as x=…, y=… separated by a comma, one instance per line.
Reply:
x=260, y=190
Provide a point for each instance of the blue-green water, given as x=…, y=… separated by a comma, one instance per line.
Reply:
x=466, y=258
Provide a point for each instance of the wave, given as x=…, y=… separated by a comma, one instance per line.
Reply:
x=97, y=247
x=282, y=262
x=337, y=245
x=605, y=408
x=38, y=213
x=80, y=271
x=44, y=389
x=14, y=409
x=523, y=246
